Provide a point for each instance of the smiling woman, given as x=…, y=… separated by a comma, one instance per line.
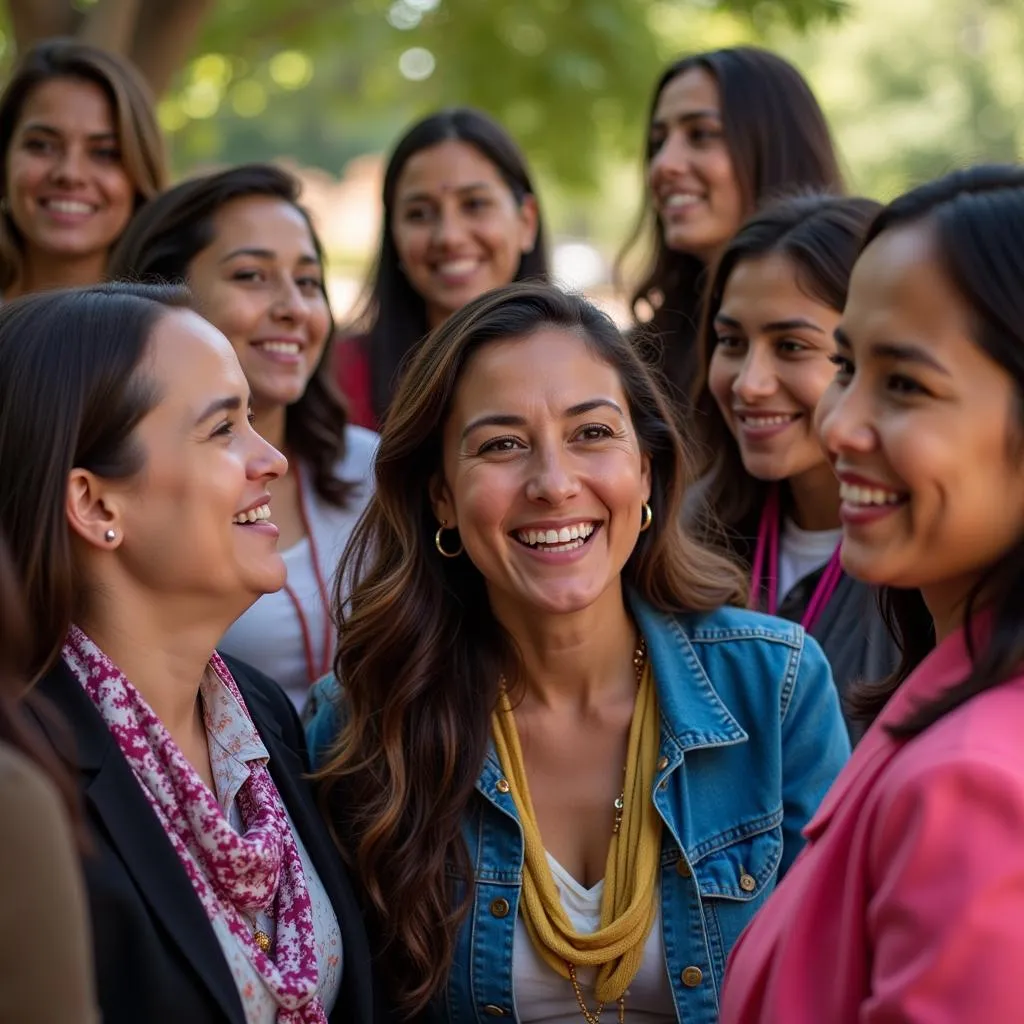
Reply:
x=254, y=266
x=132, y=501
x=81, y=153
x=532, y=647
x=769, y=495
x=461, y=216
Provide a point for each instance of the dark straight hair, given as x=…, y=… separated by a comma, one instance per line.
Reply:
x=174, y=228
x=821, y=237
x=393, y=317
x=778, y=140
x=976, y=217
x=72, y=392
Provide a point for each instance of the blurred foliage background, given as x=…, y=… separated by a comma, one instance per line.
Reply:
x=911, y=87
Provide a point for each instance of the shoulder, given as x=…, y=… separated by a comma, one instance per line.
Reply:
x=738, y=625
x=26, y=794
x=323, y=717
x=360, y=451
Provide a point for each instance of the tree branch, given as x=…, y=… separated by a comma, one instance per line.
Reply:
x=111, y=25
x=165, y=35
x=32, y=20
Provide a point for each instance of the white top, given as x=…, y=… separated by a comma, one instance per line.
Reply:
x=269, y=635
x=541, y=995
x=802, y=552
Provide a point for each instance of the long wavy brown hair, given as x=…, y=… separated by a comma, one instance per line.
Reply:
x=421, y=653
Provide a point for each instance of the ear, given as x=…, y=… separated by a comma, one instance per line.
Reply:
x=529, y=221
x=89, y=511
x=645, y=475
x=441, y=501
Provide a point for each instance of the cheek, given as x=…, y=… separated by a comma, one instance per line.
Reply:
x=410, y=244
x=721, y=377
x=483, y=498
x=809, y=384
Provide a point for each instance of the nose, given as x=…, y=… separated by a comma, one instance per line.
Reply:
x=69, y=169
x=552, y=480
x=673, y=157
x=265, y=462
x=448, y=228
x=843, y=422
x=756, y=379
x=290, y=304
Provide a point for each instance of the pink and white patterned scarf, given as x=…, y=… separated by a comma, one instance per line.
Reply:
x=232, y=874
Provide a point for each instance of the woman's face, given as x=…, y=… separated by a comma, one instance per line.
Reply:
x=67, y=189
x=922, y=427
x=260, y=282
x=184, y=519
x=544, y=476
x=690, y=172
x=457, y=226
x=771, y=364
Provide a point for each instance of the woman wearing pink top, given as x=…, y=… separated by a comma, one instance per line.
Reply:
x=907, y=905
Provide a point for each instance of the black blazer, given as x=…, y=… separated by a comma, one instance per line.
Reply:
x=157, y=957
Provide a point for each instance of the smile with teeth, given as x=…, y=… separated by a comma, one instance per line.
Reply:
x=678, y=200
x=68, y=206
x=252, y=515
x=775, y=420
x=288, y=348
x=457, y=268
x=568, y=538
x=853, y=494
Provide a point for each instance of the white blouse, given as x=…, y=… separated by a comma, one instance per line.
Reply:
x=543, y=997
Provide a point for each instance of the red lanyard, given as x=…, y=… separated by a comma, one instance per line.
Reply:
x=313, y=672
x=768, y=545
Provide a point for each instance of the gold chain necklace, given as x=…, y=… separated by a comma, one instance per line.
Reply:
x=594, y=1016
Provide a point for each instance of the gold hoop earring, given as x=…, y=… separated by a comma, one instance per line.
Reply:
x=440, y=546
x=648, y=516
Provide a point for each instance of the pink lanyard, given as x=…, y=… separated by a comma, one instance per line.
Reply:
x=768, y=545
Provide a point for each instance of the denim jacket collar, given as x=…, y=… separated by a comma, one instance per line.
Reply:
x=692, y=713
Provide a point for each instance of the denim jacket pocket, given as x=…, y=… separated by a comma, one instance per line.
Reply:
x=735, y=879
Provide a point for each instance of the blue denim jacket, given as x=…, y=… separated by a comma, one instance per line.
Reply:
x=751, y=738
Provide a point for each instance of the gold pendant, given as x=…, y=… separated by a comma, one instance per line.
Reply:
x=262, y=939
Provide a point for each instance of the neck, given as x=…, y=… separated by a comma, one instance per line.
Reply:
x=946, y=603
x=815, y=495
x=44, y=271
x=270, y=424
x=581, y=657
x=162, y=647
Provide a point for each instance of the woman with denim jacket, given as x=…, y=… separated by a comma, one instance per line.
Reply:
x=570, y=770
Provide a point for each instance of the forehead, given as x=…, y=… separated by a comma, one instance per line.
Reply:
x=546, y=371
x=899, y=290
x=448, y=165
x=70, y=104
x=191, y=362
x=764, y=285
x=263, y=222
x=691, y=91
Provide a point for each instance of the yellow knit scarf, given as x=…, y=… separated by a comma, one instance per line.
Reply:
x=628, y=901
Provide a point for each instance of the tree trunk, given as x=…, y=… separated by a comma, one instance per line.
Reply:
x=157, y=35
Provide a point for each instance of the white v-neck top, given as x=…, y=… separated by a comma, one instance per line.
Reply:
x=544, y=997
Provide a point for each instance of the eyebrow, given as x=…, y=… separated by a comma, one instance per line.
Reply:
x=509, y=420
x=46, y=129
x=264, y=254
x=902, y=351
x=230, y=403
x=796, y=324
x=474, y=186
x=689, y=115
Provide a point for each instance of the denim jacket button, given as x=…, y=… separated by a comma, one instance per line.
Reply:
x=500, y=908
x=682, y=868
x=494, y=1011
x=502, y=786
x=747, y=882
x=692, y=976
x=662, y=763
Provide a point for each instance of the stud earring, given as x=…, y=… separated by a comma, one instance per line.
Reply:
x=110, y=536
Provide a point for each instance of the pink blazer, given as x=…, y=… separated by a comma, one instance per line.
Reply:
x=907, y=904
